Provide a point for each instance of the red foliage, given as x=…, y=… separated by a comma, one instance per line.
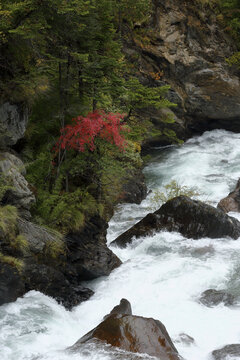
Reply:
x=83, y=131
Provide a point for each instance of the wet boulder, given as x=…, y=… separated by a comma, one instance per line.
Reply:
x=53, y=283
x=232, y=201
x=227, y=352
x=132, y=333
x=212, y=297
x=123, y=308
x=193, y=219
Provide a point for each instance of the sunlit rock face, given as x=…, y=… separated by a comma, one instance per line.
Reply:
x=13, y=122
x=187, y=48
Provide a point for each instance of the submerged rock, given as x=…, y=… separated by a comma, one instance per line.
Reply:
x=227, y=352
x=13, y=122
x=133, y=333
x=185, y=339
x=232, y=201
x=212, y=297
x=191, y=218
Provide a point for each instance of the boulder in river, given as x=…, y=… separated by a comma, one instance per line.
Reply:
x=232, y=201
x=192, y=218
x=123, y=308
x=212, y=297
x=133, y=333
x=227, y=352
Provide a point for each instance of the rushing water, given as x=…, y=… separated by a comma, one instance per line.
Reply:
x=162, y=275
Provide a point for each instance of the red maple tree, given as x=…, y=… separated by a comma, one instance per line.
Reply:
x=83, y=131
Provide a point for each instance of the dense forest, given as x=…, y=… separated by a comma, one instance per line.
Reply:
x=63, y=59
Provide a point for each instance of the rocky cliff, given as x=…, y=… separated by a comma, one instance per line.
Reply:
x=185, y=46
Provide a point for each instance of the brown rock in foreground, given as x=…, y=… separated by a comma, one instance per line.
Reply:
x=135, y=334
x=232, y=201
x=193, y=219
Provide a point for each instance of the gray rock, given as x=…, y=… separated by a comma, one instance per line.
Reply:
x=19, y=193
x=191, y=218
x=38, y=237
x=232, y=201
x=227, y=352
x=185, y=339
x=188, y=48
x=212, y=297
x=13, y=122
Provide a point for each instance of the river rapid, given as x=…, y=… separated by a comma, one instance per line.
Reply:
x=162, y=276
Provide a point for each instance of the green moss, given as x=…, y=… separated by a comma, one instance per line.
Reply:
x=13, y=261
x=55, y=249
x=8, y=220
x=19, y=242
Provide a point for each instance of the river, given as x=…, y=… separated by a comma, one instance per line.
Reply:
x=162, y=276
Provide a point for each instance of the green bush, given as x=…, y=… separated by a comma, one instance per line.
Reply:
x=172, y=190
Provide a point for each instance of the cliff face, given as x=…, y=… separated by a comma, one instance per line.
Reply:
x=187, y=48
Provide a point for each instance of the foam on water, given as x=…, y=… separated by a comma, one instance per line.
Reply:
x=162, y=276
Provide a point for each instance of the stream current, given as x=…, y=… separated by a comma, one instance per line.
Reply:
x=162, y=275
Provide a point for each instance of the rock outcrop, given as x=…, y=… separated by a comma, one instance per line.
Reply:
x=18, y=192
x=134, y=334
x=212, y=297
x=185, y=46
x=227, y=352
x=13, y=122
x=34, y=258
x=191, y=218
x=232, y=201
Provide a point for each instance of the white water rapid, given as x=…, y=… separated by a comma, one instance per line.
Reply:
x=162, y=276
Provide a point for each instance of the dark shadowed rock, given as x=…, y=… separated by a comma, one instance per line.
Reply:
x=134, y=187
x=124, y=308
x=135, y=334
x=11, y=283
x=88, y=255
x=51, y=263
x=53, y=283
x=227, y=352
x=212, y=297
x=232, y=201
x=191, y=218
